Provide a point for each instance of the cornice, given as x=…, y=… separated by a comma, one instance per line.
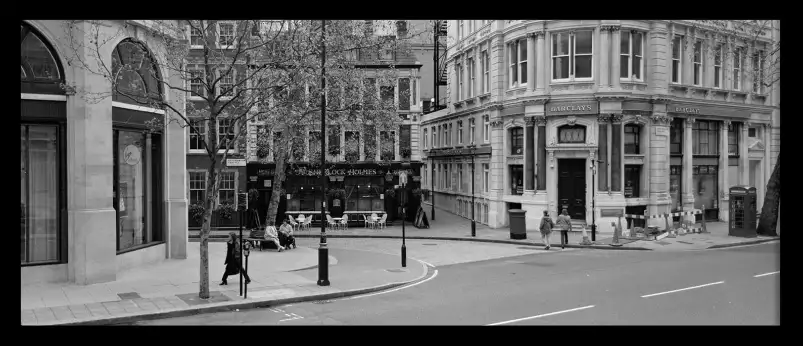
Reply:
x=541, y=100
x=661, y=119
x=540, y=120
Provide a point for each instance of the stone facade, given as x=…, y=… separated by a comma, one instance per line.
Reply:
x=610, y=110
x=90, y=254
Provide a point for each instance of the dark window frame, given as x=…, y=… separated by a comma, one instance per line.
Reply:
x=562, y=128
x=632, y=139
x=705, y=132
x=630, y=171
x=676, y=137
x=516, y=171
x=733, y=139
x=516, y=140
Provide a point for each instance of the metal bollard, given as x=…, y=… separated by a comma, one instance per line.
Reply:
x=703, y=221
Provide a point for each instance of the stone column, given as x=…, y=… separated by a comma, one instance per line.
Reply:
x=660, y=201
x=92, y=219
x=617, y=153
x=603, y=121
x=660, y=58
x=608, y=165
x=688, y=58
x=477, y=71
x=174, y=156
x=724, y=182
x=744, y=163
x=709, y=47
x=687, y=180
x=531, y=62
x=540, y=122
x=542, y=75
x=529, y=154
x=748, y=71
x=615, y=39
x=604, y=65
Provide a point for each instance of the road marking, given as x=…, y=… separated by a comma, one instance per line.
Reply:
x=429, y=264
x=292, y=317
x=539, y=316
x=765, y=274
x=395, y=289
x=682, y=289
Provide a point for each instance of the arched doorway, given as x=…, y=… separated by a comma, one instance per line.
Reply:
x=43, y=152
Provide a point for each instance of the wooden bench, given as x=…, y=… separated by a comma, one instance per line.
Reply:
x=261, y=243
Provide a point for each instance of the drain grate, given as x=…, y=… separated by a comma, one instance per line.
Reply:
x=528, y=248
x=429, y=244
x=322, y=302
x=129, y=295
x=395, y=270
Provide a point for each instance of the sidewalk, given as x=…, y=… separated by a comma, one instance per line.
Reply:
x=449, y=226
x=170, y=289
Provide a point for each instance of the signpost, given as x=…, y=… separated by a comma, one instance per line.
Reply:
x=235, y=162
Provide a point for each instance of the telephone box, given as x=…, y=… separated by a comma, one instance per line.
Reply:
x=742, y=211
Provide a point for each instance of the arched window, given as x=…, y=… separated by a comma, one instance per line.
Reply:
x=137, y=74
x=572, y=134
x=40, y=71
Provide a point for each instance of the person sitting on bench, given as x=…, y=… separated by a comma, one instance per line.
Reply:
x=271, y=235
x=286, y=235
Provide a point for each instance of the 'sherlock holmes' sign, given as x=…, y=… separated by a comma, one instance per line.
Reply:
x=572, y=108
x=304, y=171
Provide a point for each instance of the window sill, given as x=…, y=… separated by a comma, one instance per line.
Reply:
x=196, y=152
x=485, y=96
x=471, y=100
x=457, y=104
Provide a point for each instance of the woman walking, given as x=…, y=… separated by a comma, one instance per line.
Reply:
x=564, y=224
x=546, y=228
x=233, y=259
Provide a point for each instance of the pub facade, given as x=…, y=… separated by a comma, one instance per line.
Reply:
x=612, y=120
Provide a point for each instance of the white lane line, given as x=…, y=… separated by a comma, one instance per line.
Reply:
x=682, y=289
x=765, y=274
x=539, y=316
x=395, y=289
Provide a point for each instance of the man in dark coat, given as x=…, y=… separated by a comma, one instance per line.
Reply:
x=232, y=263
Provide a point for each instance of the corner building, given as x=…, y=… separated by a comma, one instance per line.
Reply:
x=661, y=116
x=100, y=192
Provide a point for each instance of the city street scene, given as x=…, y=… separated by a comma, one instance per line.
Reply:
x=400, y=172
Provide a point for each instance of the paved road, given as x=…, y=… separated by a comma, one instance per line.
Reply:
x=712, y=287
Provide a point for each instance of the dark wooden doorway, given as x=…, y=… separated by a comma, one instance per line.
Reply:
x=572, y=187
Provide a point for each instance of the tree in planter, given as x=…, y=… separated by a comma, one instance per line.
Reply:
x=219, y=74
x=352, y=91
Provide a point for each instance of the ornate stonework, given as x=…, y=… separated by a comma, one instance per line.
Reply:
x=540, y=120
x=616, y=118
x=661, y=119
x=603, y=118
x=571, y=120
x=637, y=118
x=690, y=119
x=610, y=28
x=529, y=121
x=539, y=33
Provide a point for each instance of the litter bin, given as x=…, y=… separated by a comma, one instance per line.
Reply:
x=518, y=226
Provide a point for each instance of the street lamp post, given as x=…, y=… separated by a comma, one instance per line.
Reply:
x=432, y=188
x=593, y=199
x=323, y=250
x=403, y=181
x=473, y=206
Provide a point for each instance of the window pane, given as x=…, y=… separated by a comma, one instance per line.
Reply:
x=676, y=47
x=637, y=67
x=624, y=44
x=623, y=63
x=131, y=189
x=38, y=57
x=523, y=72
x=41, y=194
x=675, y=70
x=560, y=44
x=582, y=67
x=637, y=42
x=583, y=42
x=560, y=68
x=523, y=50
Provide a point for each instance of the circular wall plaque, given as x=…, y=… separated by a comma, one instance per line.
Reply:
x=132, y=155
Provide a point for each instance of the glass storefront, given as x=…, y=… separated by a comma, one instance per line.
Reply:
x=363, y=193
x=39, y=197
x=675, y=187
x=704, y=180
x=136, y=193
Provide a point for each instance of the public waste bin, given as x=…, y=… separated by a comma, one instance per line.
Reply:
x=518, y=226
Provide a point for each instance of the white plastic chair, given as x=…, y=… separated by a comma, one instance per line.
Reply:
x=331, y=222
x=373, y=220
x=345, y=222
x=382, y=222
x=292, y=222
x=308, y=223
x=365, y=220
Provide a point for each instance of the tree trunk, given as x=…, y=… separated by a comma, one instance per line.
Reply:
x=278, y=183
x=769, y=212
x=211, y=196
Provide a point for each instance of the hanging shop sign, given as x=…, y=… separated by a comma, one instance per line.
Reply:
x=572, y=108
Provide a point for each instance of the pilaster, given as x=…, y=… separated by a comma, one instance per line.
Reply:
x=615, y=38
x=744, y=163
x=531, y=62
x=542, y=77
x=724, y=182
x=687, y=180
x=605, y=54
x=659, y=58
x=658, y=163
x=529, y=155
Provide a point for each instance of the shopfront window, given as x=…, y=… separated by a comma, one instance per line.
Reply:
x=516, y=180
x=705, y=186
x=733, y=139
x=517, y=141
x=632, y=181
x=676, y=137
x=39, y=194
x=705, y=138
x=364, y=193
x=632, y=134
x=674, y=186
x=137, y=194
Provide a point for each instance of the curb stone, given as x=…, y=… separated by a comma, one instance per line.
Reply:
x=229, y=306
x=750, y=242
x=498, y=241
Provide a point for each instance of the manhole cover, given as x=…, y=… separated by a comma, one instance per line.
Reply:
x=528, y=248
x=429, y=244
x=129, y=295
x=396, y=270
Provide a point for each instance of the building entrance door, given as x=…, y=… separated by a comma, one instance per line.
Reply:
x=572, y=187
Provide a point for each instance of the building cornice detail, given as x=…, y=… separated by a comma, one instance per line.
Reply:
x=661, y=119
